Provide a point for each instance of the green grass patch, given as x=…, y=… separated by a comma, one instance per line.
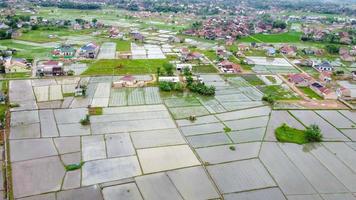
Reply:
x=124, y=66
x=288, y=134
x=41, y=35
x=271, y=79
x=95, y=111
x=253, y=79
x=279, y=93
x=310, y=93
x=25, y=50
x=204, y=69
x=123, y=45
x=227, y=129
x=69, y=94
x=288, y=37
x=3, y=109
x=72, y=167
x=211, y=54
x=17, y=75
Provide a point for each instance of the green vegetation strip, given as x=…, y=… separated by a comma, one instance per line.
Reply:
x=288, y=134
x=124, y=66
x=310, y=93
x=95, y=111
x=289, y=37
x=73, y=167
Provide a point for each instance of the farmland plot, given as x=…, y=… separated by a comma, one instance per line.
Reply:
x=135, y=96
x=152, y=95
x=182, y=102
x=118, y=97
x=185, y=112
x=41, y=93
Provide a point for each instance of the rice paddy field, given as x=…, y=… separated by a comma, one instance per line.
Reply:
x=122, y=67
x=289, y=37
x=150, y=136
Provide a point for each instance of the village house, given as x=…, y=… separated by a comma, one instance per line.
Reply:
x=13, y=65
x=229, y=67
x=89, y=50
x=306, y=63
x=346, y=55
x=137, y=36
x=271, y=51
x=181, y=67
x=300, y=80
x=186, y=55
x=115, y=33
x=288, y=50
x=243, y=47
x=353, y=75
x=50, y=68
x=324, y=66
x=128, y=81
x=64, y=51
x=323, y=91
x=172, y=79
x=325, y=77
x=222, y=53
x=343, y=92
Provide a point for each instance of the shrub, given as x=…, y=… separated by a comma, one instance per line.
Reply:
x=73, y=167
x=202, y=89
x=168, y=67
x=232, y=148
x=313, y=133
x=269, y=99
x=70, y=73
x=165, y=86
x=169, y=86
x=85, y=121
x=227, y=129
x=192, y=118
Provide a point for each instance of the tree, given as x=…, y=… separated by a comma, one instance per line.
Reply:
x=94, y=20
x=332, y=49
x=168, y=67
x=279, y=24
x=313, y=133
x=269, y=99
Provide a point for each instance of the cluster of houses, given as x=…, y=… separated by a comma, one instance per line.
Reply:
x=15, y=65
x=115, y=33
x=67, y=51
x=319, y=87
x=186, y=55
x=348, y=55
x=323, y=86
x=316, y=33
x=217, y=28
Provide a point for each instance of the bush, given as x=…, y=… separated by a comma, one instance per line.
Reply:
x=288, y=134
x=73, y=167
x=202, y=89
x=70, y=73
x=168, y=67
x=269, y=99
x=85, y=121
x=232, y=148
x=313, y=133
x=227, y=129
x=169, y=86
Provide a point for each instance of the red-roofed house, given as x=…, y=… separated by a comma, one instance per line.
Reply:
x=288, y=50
x=229, y=67
x=300, y=80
